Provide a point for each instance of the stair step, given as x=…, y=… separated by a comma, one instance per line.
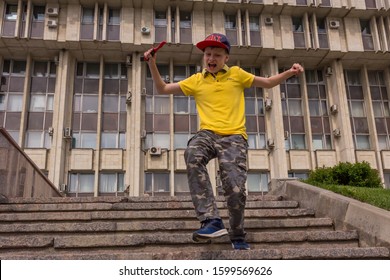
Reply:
x=99, y=240
x=133, y=199
x=150, y=214
x=161, y=228
x=228, y=254
x=169, y=225
x=49, y=207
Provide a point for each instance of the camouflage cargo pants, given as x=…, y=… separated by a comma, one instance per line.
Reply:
x=231, y=152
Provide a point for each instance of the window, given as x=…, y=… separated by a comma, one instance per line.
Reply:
x=318, y=110
x=386, y=176
x=298, y=175
x=322, y=34
x=370, y=4
x=10, y=17
x=368, y=42
x=81, y=184
x=185, y=27
x=11, y=96
x=111, y=183
x=157, y=112
x=11, y=12
x=357, y=111
x=381, y=109
x=298, y=32
x=257, y=182
x=87, y=23
x=40, y=114
x=181, y=184
x=113, y=25
x=326, y=3
x=157, y=183
x=301, y=2
x=185, y=116
x=231, y=29
x=254, y=114
x=85, y=105
x=293, y=120
x=160, y=26
x=254, y=30
x=114, y=114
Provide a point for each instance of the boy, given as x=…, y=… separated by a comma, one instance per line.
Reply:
x=219, y=95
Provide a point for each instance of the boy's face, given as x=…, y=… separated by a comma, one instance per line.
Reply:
x=214, y=59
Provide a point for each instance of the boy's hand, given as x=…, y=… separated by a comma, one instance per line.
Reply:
x=149, y=54
x=296, y=69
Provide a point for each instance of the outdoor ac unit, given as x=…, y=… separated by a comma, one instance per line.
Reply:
x=268, y=20
x=155, y=151
x=63, y=188
x=271, y=143
x=334, y=109
x=268, y=104
x=52, y=23
x=329, y=71
x=334, y=24
x=336, y=132
x=52, y=11
x=67, y=132
x=129, y=98
x=50, y=131
x=145, y=30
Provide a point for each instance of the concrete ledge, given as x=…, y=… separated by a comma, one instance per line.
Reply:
x=372, y=223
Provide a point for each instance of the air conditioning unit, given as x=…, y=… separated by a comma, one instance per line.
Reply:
x=329, y=71
x=52, y=23
x=50, y=131
x=271, y=143
x=336, y=132
x=129, y=98
x=63, y=188
x=128, y=60
x=145, y=30
x=334, y=109
x=334, y=24
x=67, y=132
x=155, y=151
x=52, y=11
x=268, y=104
x=268, y=20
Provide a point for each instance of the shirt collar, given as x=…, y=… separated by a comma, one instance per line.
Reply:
x=223, y=70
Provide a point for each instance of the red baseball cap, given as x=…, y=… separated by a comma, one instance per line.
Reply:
x=214, y=40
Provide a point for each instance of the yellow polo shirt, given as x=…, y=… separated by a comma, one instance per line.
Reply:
x=220, y=99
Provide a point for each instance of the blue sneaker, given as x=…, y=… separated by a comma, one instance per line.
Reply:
x=240, y=245
x=211, y=228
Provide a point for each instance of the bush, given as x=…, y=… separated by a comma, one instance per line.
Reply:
x=359, y=174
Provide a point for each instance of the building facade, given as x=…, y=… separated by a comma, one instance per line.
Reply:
x=77, y=98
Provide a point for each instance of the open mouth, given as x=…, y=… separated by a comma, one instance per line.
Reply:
x=212, y=66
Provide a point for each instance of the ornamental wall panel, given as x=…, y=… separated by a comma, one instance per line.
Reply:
x=258, y=160
x=38, y=156
x=81, y=159
x=111, y=159
x=300, y=160
x=325, y=158
x=368, y=156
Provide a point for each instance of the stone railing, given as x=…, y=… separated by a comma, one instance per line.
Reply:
x=19, y=176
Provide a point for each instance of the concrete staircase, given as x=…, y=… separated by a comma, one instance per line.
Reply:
x=112, y=228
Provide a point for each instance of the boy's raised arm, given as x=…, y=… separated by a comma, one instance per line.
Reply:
x=161, y=86
x=275, y=80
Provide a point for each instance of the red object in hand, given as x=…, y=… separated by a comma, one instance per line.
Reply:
x=154, y=50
